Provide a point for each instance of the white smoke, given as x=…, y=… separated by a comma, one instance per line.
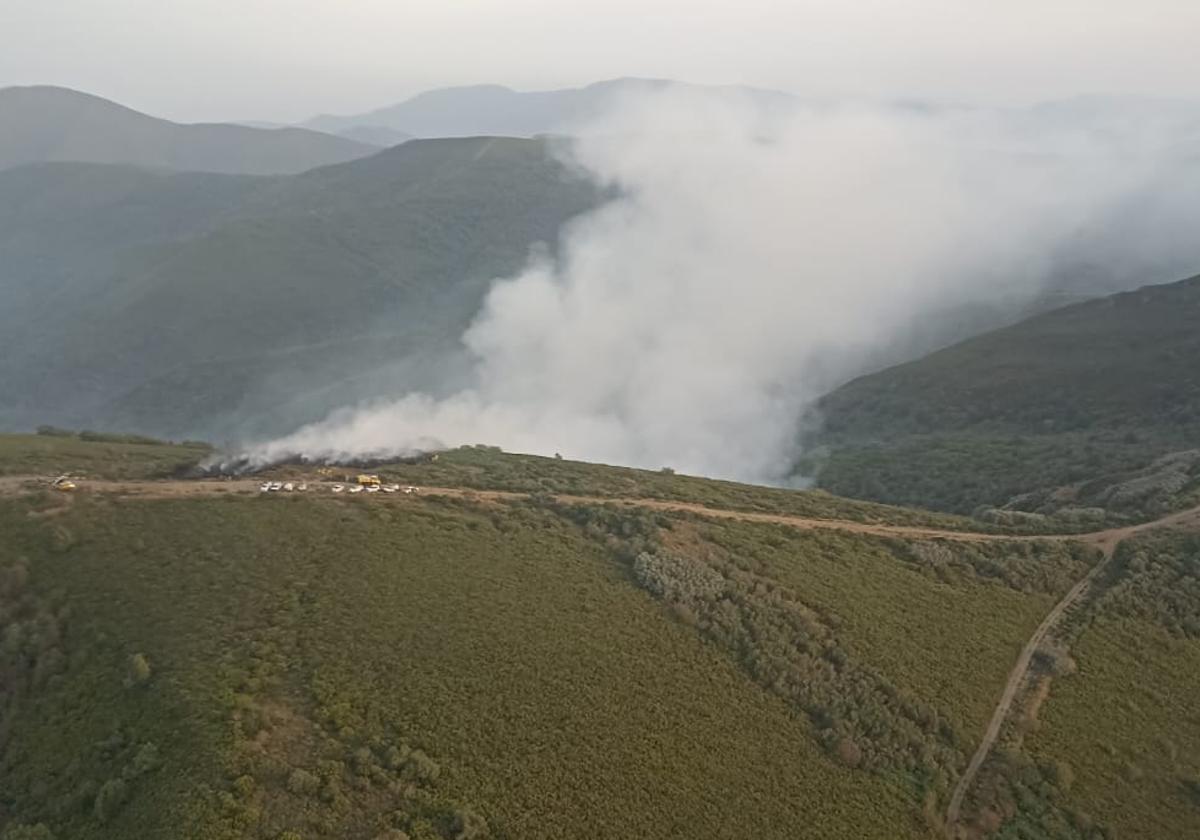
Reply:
x=755, y=256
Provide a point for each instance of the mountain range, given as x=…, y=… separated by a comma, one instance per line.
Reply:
x=40, y=124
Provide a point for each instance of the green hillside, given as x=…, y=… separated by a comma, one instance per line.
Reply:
x=212, y=306
x=43, y=123
x=1076, y=412
x=267, y=666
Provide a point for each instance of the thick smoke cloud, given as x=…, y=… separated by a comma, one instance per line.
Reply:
x=755, y=258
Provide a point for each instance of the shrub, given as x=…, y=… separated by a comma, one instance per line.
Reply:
x=144, y=761
x=53, y=431
x=468, y=825
x=303, y=783
x=420, y=767
x=110, y=799
x=849, y=752
x=139, y=669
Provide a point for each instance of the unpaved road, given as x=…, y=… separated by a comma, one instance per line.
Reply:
x=1106, y=541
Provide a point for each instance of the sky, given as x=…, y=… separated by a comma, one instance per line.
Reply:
x=286, y=60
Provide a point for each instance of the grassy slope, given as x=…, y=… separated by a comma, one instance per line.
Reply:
x=556, y=715
x=514, y=644
x=1135, y=757
x=46, y=454
x=884, y=605
x=487, y=468
x=1098, y=388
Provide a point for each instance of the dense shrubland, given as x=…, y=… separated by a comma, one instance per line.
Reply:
x=748, y=589
x=290, y=667
x=1115, y=748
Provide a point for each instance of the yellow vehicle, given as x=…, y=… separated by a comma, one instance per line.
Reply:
x=366, y=480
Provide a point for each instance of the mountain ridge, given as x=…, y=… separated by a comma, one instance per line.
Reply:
x=46, y=123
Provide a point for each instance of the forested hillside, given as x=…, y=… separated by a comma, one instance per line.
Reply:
x=213, y=305
x=1094, y=406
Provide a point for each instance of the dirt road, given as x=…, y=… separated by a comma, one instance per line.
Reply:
x=1106, y=541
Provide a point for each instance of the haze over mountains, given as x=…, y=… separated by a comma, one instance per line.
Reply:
x=195, y=304
x=143, y=297
x=44, y=123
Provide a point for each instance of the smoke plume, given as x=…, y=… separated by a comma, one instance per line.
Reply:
x=755, y=257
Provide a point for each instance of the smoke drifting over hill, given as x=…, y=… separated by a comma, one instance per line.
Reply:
x=756, y=257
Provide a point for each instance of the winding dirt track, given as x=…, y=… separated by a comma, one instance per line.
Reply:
x=1105, y=541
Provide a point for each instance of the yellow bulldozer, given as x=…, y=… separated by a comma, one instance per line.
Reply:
x=366, y=480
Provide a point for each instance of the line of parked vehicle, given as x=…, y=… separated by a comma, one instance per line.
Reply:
x=302, y=486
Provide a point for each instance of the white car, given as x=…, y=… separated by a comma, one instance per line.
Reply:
x=338, y=488
x=289, y=487
x=390, y=488
x=372, y=488
x=302, y=486
x=264, y=487
x=276, y=485
x=356, y=488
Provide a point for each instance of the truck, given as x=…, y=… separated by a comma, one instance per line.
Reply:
x=367, y=480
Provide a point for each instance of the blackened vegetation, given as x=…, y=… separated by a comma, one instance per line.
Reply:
x=244, y=465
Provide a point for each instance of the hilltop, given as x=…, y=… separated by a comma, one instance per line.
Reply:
x=199, y=305
x=1087, y=408
x=198, y=656
x=40, y=124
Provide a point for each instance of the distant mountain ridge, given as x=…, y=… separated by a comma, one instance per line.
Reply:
x=498, y=110
x=43, y=123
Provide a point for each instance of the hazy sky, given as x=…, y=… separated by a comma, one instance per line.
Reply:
x=288, y=59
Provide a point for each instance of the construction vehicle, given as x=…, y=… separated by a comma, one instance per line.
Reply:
x=63, y=483
x=366, y=480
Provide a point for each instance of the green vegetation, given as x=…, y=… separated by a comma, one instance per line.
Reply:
x=1114, y=749
x=96, y=456
x=860, y=634
x=231, y=307
x=1065, y=417
x=342, y=670
x=434, y=668
x=487, y=468
x=1136, y=758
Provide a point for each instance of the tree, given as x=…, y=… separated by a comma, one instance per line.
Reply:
x=468, y=825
